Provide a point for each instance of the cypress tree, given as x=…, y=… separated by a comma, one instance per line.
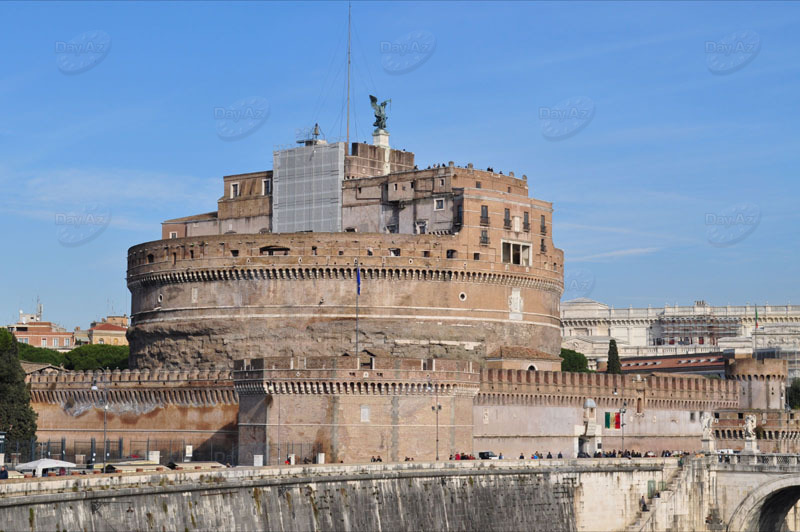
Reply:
x=17, y=418
x=614, y=365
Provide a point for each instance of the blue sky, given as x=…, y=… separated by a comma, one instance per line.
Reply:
x=673, y=175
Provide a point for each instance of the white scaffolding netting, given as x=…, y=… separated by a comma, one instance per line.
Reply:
x=307, y=190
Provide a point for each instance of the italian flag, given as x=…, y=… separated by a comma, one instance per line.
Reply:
x=612, y=418
x=756, y=317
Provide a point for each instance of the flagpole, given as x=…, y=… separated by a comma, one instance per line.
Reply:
x=358, y=293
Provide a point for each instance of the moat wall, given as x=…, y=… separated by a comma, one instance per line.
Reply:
x=558, y=496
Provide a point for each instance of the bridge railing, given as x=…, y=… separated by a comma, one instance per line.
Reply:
x=764, y=459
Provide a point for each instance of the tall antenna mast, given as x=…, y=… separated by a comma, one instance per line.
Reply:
x=347, y=147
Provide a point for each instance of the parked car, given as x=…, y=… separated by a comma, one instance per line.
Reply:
x=488, y=455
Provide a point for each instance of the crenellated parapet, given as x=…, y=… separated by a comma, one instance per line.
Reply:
x=607, y=390
x=354, y=376
x=158, y=387
x=750, y=369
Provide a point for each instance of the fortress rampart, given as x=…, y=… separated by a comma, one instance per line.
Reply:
x=210, y=300
x=352, y=408
x=192, y=406
x=608, y=391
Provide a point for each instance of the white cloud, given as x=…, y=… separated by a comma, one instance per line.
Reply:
x=615, y=254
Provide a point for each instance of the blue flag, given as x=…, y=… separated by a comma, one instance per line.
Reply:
x=358, y=281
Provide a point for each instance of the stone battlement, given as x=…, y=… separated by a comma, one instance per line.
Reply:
x=355, y=376
x=161, y=386
x=313, y=255
x=658, y=391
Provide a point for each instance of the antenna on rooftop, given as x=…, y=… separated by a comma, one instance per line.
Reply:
x=349, y=9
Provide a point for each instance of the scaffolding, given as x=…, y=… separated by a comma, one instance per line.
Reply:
x=697, y=329
x=307, y=188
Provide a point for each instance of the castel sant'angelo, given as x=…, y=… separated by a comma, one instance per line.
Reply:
x=454, y=262
x=354, y=303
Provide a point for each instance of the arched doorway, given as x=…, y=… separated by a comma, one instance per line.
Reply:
x=531, y=368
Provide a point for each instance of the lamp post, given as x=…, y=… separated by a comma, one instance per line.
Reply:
x=105, y=416
x=436, y=408
x=622, y=422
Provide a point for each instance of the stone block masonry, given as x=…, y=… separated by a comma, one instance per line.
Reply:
x=551, y=496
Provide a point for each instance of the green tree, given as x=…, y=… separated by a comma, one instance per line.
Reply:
x=793, y=394
x=614, y=365
x=29, y=353
x=97, y=356
x=574, y=361
x=17, y=418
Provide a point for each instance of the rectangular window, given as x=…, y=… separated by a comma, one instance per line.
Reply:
x=24, y=340
x=391, y=228
x=441, y=182
x=394, y=252
x=526, y=223
x=478, y=184
x=66, y=342
x=484, y=237
x=507, y=218
x=438, y=204
x=234, y=190
x=365, y=413
x=173, y=234
x=543, y=225
x=451, y=254
x=543, y=247
x=516, y=253
x=44, y=342
x=55, y=342
x=484, y=215
x=266, y=187
x=422, y=227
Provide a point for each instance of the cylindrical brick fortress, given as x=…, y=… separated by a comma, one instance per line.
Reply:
x=205, y=301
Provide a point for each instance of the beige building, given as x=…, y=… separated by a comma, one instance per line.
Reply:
x=108, y=334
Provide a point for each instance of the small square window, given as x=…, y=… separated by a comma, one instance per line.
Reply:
x=438, y=204
x=477, y=184
x=173, y=234
x=476, y=256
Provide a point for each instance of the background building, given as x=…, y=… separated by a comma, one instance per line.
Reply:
x=31, y=330
x=588, y=326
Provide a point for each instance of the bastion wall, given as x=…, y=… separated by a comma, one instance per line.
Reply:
x=204, y=302
x=353, y=408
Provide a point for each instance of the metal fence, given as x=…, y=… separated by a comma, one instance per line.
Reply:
x=221, y=449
